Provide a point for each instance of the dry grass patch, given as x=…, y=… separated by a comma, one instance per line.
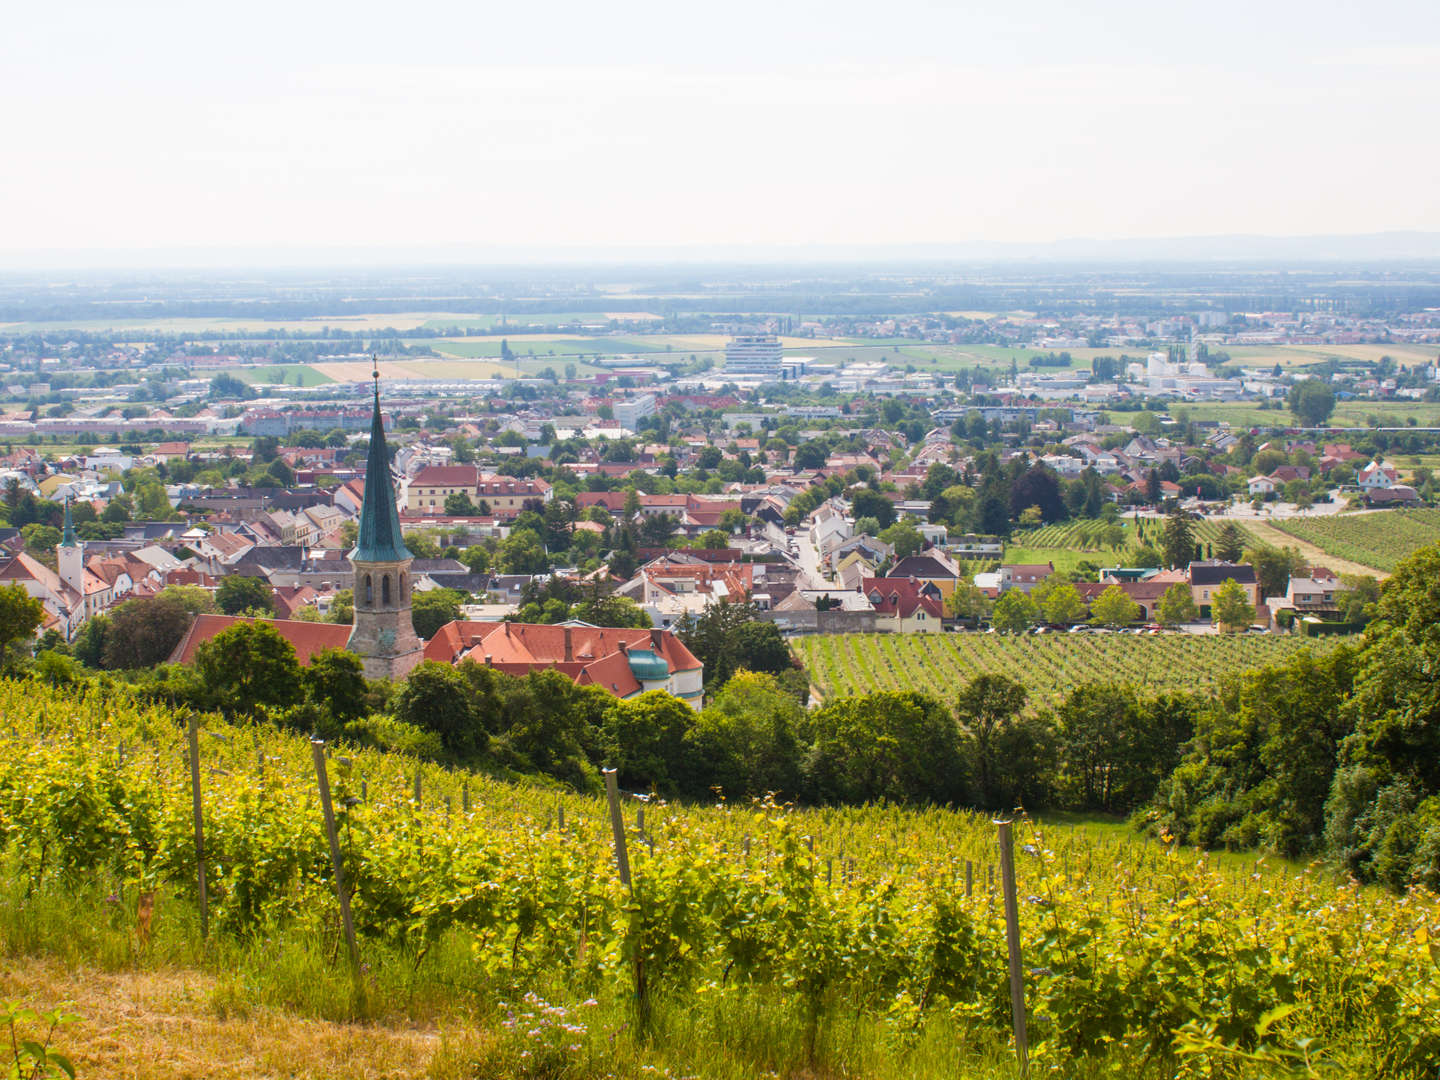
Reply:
x=169, y=1025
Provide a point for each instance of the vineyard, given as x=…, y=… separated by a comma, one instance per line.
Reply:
x=1049, y=665
x=1096, y=537
x=1139, y=959
x=1381, y=539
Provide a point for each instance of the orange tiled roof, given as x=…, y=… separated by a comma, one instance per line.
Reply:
x=307, y=638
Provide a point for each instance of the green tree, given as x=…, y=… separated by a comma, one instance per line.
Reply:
x=611, y=611
x=729, y=636
x=193, y=598
x=1230, y=544
x=1231, y=606
x=1357, y=596
x=20, y=616
x=644, y=740
x=458, y=504
x=522, y=553
x=1312, y=401
x=144, y=632
x=714, y=540
x=1113, y=607
x=1178, y=541
x=89, y=642
x=1005, y=752
x=238, y=593
x=40, y=540
x=248, y=666
x=905, y=538
x=1274, y=567
x=968, y=602
x=431, y=610
x=1014, y=612
x=1177, y=605
x=342, y=607
x=745, y=741
x=895, y=745
x=1064, y=604
x=437, y=697
x=334, y=680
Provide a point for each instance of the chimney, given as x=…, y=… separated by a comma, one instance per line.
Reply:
x=624, y=648
x=656, y=638
x=569, y=646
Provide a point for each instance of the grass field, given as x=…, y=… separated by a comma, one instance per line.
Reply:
x=1347, y=414
x=1049, y=665
x=291, y=374
x=1379, y=539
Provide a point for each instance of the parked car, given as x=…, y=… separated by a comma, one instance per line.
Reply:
x=1079, y=628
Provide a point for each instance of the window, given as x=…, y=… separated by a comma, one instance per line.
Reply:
x=369, y=592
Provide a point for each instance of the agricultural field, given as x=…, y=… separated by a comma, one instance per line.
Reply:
x=749, y=940
x=291, y=374
x=1347, y=414
x=1049, y=665
x=1380, y=539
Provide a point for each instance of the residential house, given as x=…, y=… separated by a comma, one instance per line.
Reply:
x=931, y=567
x=624, y=661
x=1207, y=576
x=1022, y=576
x=905, y=605
x=1378, y=475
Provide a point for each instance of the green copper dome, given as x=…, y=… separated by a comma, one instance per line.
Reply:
x=648, y=666
x=379, y=539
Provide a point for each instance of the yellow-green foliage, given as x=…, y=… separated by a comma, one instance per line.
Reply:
x=1134, y=951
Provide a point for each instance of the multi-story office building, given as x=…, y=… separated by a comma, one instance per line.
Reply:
x=632, y=410
x=754, y=356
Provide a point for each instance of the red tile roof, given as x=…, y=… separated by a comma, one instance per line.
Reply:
x=591, y=655
x=308, y=638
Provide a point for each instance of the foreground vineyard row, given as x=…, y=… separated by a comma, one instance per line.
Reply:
x=1049, y=665
x=1132, y=949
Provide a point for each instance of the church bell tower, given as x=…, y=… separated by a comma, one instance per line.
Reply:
x=70, y=555
x=383, y=636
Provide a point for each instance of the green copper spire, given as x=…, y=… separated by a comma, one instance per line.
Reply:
x=379, y=539
x=68, y=540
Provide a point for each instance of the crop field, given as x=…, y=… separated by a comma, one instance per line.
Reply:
x=1049, y=665
x=1347, y=414
x=1380, y=539
x=864, y=942
x=292, y=374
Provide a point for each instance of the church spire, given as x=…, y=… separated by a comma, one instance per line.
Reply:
x=379, y=539
x=68, y=539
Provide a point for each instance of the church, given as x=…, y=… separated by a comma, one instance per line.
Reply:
x=382, y=634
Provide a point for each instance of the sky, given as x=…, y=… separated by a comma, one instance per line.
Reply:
x=520, y=127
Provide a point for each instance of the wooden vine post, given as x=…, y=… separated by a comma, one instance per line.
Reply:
x=1012, y=939
x=193, y=737
x=342, y=894
x=617, y=826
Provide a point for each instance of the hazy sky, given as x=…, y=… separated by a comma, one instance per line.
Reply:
x=532, y=124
